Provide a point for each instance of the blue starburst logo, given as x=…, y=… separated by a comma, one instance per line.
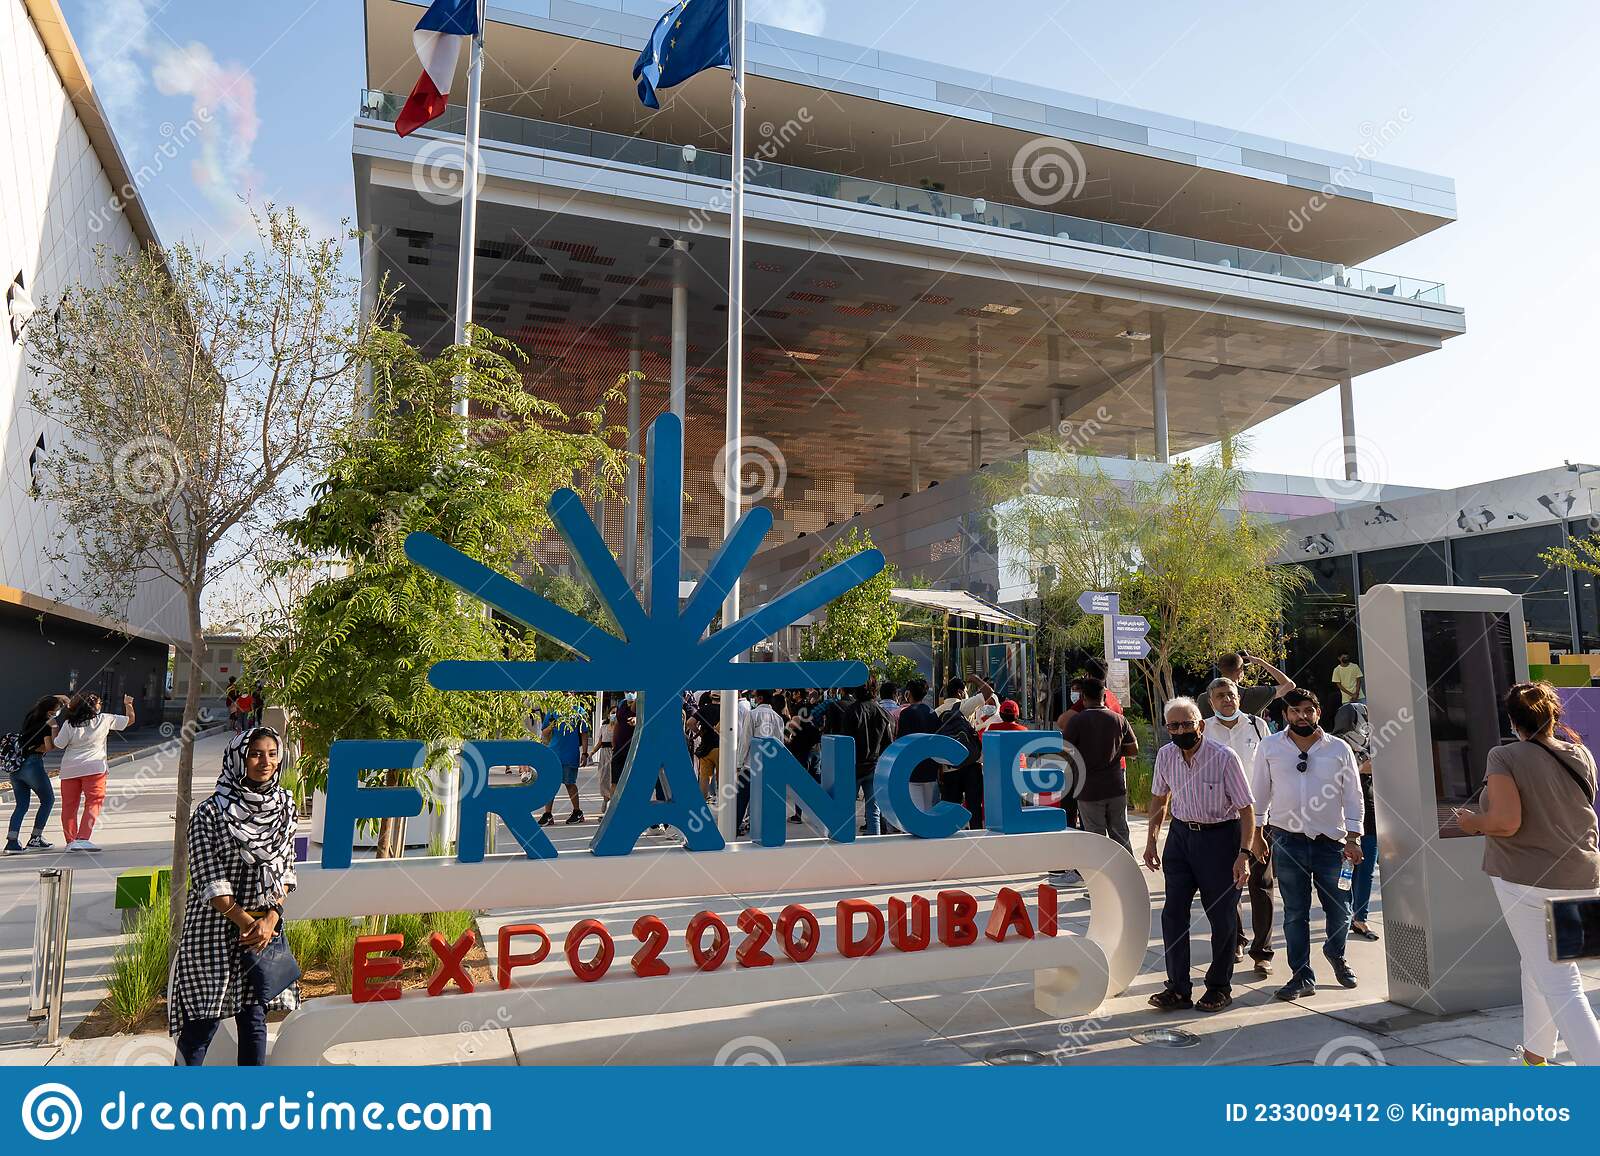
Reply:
x=660, y=653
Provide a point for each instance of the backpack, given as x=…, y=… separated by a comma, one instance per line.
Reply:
x=11, y=754
x=955, y=724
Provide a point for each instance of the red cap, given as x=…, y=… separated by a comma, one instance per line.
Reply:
x=1009, y=709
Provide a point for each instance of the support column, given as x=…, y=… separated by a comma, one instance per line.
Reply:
x=1158, y=386
x=977, y=441
x=630, y=493
x=916, y=463
x=369, y=302
x=1347, y=420
x=680, y=329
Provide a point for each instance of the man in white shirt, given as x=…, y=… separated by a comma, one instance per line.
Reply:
x=1308, y=803
x=1242, y=733
x=761, y=722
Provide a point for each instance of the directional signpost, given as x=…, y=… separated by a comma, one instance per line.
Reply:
x=1096, y=602
x=1125, y=635
x=1129, y=636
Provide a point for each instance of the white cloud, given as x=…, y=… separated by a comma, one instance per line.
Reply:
x=118, y=36
x=797, y=15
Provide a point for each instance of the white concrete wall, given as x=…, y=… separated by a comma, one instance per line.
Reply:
x=53, y=191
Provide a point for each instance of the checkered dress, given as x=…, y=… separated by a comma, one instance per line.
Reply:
x=208, y=976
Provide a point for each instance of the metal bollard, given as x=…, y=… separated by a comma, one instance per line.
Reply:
x=50, y=928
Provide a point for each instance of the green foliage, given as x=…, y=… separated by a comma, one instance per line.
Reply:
x=138, y=978
x=1174, y=543
x=450, y=924
x=351, y=658
x=860, y=623
x=1582, y=557
x=898, y=669
x=412, y=930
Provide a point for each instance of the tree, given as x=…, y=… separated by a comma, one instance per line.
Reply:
x=198, y=397
x=351, y=658
x=1175, y=544
x=1582, y=557
x=860, y=623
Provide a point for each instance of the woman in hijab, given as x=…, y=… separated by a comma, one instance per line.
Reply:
x=241, y=866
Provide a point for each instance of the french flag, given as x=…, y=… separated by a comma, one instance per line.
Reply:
x=443, y=29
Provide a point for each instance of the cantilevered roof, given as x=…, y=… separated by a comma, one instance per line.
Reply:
x=873, y=113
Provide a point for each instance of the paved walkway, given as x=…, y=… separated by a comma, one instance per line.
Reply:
x=136, y=831
x=989, y=1020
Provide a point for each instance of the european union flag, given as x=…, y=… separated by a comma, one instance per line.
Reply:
x=690, y=38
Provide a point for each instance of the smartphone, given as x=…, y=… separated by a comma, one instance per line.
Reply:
x=1573, y=928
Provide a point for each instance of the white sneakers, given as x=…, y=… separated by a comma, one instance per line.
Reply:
x=82, y=845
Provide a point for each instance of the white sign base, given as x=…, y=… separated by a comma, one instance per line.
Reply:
x=1073, y=974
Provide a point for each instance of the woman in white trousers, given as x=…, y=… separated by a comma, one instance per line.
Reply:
x=1538, y=817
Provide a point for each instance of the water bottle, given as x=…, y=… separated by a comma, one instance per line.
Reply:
x=1347, y=875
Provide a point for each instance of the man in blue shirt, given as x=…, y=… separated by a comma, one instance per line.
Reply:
x=569, y=738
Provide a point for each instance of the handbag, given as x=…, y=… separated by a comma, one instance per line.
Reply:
x=272, y=969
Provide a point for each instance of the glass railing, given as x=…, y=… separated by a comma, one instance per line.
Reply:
x=499, y=126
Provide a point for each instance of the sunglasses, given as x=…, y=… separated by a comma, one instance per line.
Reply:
x=1301, y=766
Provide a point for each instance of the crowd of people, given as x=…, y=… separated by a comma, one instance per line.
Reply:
x=873, y=715
x=1257, y=811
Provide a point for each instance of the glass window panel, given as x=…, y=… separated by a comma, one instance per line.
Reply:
x=1167, y=245
x=1214, y=254
x=1321, y=625
x=1510, y=560
x=1125, y=238
x=1029, y=220
x=1078, y=229
x=1422, y=565
x=815, y=183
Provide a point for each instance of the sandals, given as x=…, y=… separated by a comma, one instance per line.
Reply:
x=1365, y=932
x=1171, y=1001
x=1214, y=1001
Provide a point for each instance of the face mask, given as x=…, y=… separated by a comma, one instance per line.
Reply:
x=1228, y=717
x=1304, y=730
x=1076, y=696
x=1186, y=740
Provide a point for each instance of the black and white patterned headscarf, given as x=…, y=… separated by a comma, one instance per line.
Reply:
x=259, y=816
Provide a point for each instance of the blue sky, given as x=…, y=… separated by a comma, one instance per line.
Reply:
x=1499, y=101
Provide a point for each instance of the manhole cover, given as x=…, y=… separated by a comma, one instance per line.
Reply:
x=1015, y=1056
x=1166, y=1038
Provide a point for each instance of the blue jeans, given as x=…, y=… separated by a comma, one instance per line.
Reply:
x=1361, y=885
x=194, y=1038
x=869, y=817
x=31, y=780
x=1301, y=864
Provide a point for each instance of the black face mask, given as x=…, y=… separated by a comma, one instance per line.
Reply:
x=1186, y=740
x=1304, y=730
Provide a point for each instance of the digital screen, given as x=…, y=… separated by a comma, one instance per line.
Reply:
x=1467, y=661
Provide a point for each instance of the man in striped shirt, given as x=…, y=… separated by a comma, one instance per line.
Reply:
x=1202, y=785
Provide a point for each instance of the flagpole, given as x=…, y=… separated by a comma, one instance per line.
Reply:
x=469, y=194
x=727, y=821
